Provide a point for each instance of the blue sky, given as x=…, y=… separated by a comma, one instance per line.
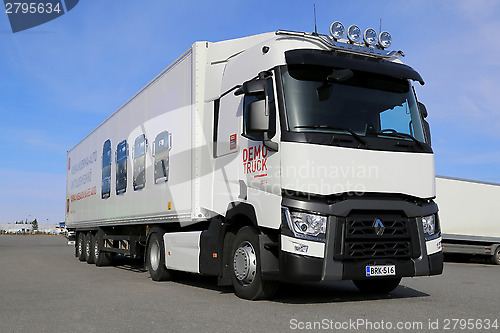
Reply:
x=58, y=81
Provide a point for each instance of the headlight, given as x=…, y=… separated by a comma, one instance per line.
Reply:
x=429, y=224
x=305, y=225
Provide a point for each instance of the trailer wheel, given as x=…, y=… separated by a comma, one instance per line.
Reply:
x=378, y=286
x=155, y=259
x=246, y=275
x=495, y=258
x=80, y=247
x=101, y=258
x=89, y=248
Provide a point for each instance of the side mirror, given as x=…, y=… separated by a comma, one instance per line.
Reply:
x=257, y=117
x=252, y=87
x=422, y=109
x=427, y=127
x=258, y=111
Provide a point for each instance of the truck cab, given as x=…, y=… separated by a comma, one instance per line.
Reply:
x=335, y=153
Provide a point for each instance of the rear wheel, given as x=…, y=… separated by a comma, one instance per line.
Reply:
x=378, y=286
x=155, y=259
x=80, y=247
x=495, y=258
x=246, y=275
x=101, y=258
x=89, y=248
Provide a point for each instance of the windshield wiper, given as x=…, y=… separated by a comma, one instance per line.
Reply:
x=346, y=130
x=396, y=134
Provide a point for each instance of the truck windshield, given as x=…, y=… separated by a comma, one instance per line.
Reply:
x=366, y=104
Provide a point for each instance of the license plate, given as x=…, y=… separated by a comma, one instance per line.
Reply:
x=381, y=270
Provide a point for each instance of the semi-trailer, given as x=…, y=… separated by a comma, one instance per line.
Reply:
x=284, y=156
x=468, y=232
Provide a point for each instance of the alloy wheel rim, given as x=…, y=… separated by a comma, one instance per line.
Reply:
x=245, y=263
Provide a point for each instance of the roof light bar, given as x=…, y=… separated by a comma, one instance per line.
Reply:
x=354, y=34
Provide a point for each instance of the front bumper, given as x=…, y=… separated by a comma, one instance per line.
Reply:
x=306, y=260
x=295, y=267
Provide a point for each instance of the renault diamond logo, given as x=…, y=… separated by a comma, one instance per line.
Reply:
x=378, y=227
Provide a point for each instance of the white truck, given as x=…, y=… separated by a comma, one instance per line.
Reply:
x=469, y=232
x=281, y=156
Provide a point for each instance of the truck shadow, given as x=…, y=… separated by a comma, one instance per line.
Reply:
x=337, y=292
x=307, y=293
x=289, y=293
x=466, y=258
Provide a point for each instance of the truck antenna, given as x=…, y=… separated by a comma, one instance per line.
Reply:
x=380, y=26
x=315, y=28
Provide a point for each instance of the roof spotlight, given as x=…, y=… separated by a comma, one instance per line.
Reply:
x=370, y=37
x=354, y=33
x=337, y=30
x=384, y=39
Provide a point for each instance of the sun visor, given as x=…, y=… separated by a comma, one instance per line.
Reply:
x=351, y=61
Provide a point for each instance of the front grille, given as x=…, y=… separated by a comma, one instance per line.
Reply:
x=362, y=242
x=362, y=227
x=372, y=249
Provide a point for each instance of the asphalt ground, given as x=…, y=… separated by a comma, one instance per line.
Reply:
x=44, y=288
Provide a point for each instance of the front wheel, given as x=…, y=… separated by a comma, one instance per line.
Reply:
x=155, y=259
x=246, y=277
x=377, y=286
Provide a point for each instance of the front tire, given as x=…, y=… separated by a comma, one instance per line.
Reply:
x=80, y=247
x=377, y=286
x=246, y=273
x=155, y=259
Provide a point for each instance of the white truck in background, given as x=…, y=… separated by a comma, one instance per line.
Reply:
x=469, y=231
x=280, y=156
